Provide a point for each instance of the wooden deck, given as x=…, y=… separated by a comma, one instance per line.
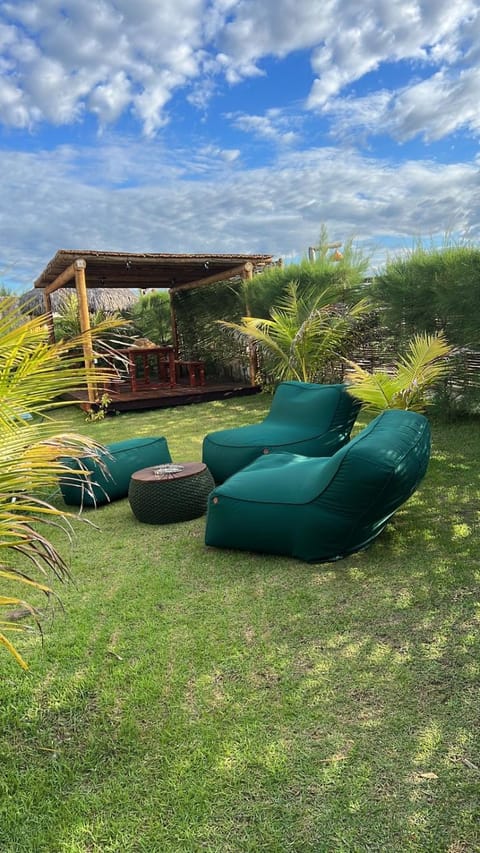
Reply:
x=126, y=400
x=153, y=377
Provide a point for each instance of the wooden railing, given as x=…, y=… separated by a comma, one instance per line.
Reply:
x=156, y=367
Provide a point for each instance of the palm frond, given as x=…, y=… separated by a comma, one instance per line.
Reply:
x=305, y=331
x=377, y=390
x=426, y=358
x=34, y=374
x=264, y=332
x=424, y=363
x=13, y=651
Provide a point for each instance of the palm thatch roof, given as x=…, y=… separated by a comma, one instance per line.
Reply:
x=126, y=270
x=99, y=299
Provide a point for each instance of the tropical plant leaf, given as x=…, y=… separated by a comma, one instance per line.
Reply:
x=13, y=651
x=34, y=376
x=304, y=332
x=425, y=359
x=424, y=363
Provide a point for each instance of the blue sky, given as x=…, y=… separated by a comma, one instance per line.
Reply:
x=235, y=126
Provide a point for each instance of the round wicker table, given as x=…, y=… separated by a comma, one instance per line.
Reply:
x=166, y=494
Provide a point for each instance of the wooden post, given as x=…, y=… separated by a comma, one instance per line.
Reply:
x=247, y=275
x=48, y=311
x=173, y=323
x=81, y=287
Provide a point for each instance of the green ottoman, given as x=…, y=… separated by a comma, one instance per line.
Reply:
x=121, y=460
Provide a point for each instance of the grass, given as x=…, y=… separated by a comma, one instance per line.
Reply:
x=190, y=699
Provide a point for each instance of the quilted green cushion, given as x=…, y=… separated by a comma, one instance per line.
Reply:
x=323, y=509
x=121, y=460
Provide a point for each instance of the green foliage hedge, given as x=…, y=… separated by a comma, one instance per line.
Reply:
x=432, y=289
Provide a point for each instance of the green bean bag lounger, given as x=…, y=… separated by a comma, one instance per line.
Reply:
x=121, y=460
x=306, y=418
x=322, y=509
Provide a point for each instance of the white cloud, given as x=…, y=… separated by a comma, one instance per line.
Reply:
x=59, y=61
x=229, y=154
x=109, y=100
x=208, y=160
x=98, y=55
x=274, y=126
x=12, y=110
x=138, y=208
x=275, y=27
x=437, y=106
x=391, y=30
x=433, y=108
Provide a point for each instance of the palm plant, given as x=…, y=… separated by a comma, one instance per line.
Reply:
x=424, y=364
x=67, y=320
x=33, y=376
x=304, y=333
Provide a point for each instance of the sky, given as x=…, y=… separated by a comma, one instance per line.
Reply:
x=237, y=126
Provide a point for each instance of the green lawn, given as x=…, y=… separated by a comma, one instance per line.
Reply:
x=189, y=699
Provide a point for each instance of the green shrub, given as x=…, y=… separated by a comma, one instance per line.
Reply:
x=432, y=289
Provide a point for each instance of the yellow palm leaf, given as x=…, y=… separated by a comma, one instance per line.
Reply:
x=13, y=651
x=424, y=364
x=34, y=376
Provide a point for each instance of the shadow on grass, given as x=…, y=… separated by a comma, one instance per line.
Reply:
x=195, y=699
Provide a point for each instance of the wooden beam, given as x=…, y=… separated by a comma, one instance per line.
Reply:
x=62, y=279
x=211, y=279
x=81, y=287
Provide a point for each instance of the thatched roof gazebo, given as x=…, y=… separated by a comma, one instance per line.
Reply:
x=98, y=299
x=87, y=269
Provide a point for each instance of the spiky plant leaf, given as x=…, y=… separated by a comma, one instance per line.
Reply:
x=304, y=332
x=424, y=363
x=34, y=376
x=425, y=359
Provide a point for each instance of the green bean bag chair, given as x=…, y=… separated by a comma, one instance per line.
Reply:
x=304, y=417
x=322, y=509
x=109, y=477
